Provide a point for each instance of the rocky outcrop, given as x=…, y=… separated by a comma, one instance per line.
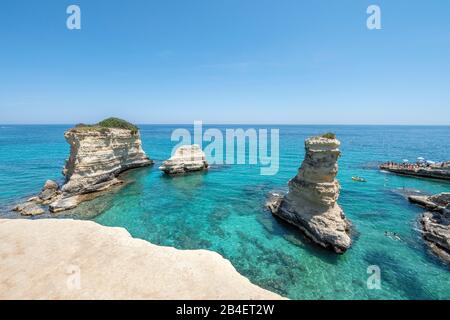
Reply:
x=68, y=259
x=29, y=208
x=97, y=157
x=35, y=205
x=98, y=154
x=436, y=223
x=417, y=171
x=311, y=203
x=439, y=202
x=186, y=159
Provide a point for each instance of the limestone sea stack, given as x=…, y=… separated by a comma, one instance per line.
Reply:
x=311, y=203
x=188, y=158
x=98, y=154
x=436, y=223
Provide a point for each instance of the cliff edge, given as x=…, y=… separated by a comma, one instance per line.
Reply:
x=69, y=259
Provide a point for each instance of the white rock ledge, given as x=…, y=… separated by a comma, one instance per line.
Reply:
x=40, y=259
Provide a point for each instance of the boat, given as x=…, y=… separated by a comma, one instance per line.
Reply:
x=359, y=179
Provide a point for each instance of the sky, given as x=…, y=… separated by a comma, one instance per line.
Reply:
x=225, y=61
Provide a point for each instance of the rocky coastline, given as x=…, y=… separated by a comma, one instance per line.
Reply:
x=418, y=172
x=435, y=223
x=311, y=203
x=98, y=154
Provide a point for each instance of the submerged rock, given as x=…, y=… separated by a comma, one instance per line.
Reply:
x=33, y=206
x=186, y=159
x=311, y=203
x=29, y=208
x=436, y=223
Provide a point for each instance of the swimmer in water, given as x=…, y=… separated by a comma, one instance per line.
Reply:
x=392, y=235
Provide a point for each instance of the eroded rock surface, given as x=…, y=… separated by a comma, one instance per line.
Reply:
x=69, y=259
x=311, y=203
x=189, y=158
x=97, y=156
x=436, y=223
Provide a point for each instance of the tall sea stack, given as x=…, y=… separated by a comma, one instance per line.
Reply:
x=98, y=154
x=311, y=201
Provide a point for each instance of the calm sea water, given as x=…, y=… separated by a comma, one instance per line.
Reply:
x=223, y=210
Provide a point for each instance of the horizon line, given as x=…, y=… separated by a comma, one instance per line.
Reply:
x=241, y=123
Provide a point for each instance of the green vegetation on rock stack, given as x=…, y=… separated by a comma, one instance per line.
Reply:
x=110, y=123
x=329, y=135
x=118, y=124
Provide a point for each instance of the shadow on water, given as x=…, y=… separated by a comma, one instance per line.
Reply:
x=185, y=182
x=278, y=227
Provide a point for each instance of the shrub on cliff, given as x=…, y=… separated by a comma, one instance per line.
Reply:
x=329, y=135
x=118, y=124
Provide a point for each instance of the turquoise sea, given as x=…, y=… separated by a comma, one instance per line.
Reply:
x=223, y=210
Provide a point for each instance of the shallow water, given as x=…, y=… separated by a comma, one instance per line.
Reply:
x=223, y=210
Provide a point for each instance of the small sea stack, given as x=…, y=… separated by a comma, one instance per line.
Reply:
x=436, y=223
x=311, y=203
x=98, y=154
x=188, y=158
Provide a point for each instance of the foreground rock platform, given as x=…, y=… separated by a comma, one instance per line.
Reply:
x=311, y=203
x=41, y=259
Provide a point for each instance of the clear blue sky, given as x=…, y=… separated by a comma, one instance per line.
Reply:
x=225, y=61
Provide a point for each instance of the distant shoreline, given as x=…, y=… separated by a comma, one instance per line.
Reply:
x=246, y=124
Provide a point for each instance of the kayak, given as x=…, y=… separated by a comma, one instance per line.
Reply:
x=359, y=179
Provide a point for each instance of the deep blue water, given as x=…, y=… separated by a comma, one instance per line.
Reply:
x=223, y=210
